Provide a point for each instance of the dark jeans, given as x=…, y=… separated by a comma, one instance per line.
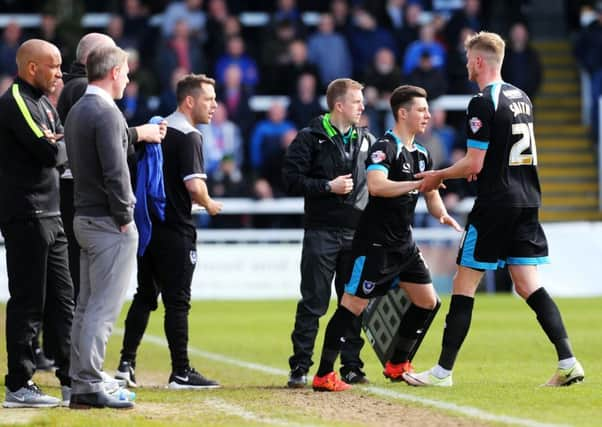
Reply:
x=166, y=268
x=67, y=212
x=38, y=283
x=326, y=253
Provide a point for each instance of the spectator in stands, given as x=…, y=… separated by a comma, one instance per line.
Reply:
x=367, y=37
x=228, y=181
x=189, y=10
x=136, y=27
x=447, y=134
x=115, y=31
x=134, y=105
x=469, y=16
x=146, y=79
x=299, y=64
x=221, y=138
x=48, y=30
x=425, y=43
x=235, y=96
x=267, y=135
x=305, y=105
x=322, y=44
x=275, y=55
x=428, y=77
x=167, y=100
x=5, y=83
x=457, y=75
x=271, y=168
x=11, y=39
x=339, y=10
x=181, y=50
x=389, y=14
x=287, y=10
x=587, y=50
x=410, y=30
x=384, y=74
x=235, y=54
x=217, y=17
x=522, y=66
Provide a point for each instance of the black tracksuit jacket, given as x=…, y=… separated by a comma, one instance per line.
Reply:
x=313, y=159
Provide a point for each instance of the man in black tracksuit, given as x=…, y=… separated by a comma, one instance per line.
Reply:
x=326, y=164
x=36, y=246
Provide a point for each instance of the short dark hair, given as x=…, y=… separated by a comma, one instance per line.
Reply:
x=191, y=84
x=403, y=96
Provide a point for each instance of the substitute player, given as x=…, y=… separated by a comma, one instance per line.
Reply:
x=384, y=250
x=503, y=226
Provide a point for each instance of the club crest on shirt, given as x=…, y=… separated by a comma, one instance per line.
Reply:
x=378, y=156
x=193, y=257
x=475, y=124
x=368, y=286
x=421, y=165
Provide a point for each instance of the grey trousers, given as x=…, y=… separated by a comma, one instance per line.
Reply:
x=107, y=264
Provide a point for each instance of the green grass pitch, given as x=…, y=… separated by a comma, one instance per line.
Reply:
x=505, y=358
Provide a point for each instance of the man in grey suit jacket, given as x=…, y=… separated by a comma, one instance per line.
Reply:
x=97, y=141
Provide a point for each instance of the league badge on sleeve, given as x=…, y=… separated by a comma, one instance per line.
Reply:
x=475, y=124
x=378, y=156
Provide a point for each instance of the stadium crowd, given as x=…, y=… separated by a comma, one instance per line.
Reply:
x=380, y=44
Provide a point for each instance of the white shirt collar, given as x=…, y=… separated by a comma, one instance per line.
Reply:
x=96, y=90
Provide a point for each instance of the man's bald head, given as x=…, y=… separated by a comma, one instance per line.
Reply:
x=39, y=64
x=88, y=43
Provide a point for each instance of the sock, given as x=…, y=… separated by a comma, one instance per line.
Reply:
x=334, y=337
x=440, y=372
x=567, y=363
x=457, y=323
x=550, y=320
x=411, y=328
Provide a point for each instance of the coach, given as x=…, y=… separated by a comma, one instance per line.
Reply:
x=326, y=164
x=97, y=143
x=36, y=246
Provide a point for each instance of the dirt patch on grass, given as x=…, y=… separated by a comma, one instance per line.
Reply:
x=362, y=408
x=277, y=405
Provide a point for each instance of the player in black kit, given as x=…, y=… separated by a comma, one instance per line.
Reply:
x=384, y=251
x=503, y=226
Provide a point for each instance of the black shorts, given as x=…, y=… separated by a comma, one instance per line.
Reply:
x=497, y=236
x=377, y=269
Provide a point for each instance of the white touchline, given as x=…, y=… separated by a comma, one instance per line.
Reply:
x=439, y=404
x=239, y=411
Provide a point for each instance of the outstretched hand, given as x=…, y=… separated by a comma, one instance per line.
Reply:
x=448, y=220
x=430, y=181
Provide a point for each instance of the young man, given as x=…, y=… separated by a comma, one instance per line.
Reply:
x=384, y=250
x=97, y=141
x=168, y=262
x=503, y=226
x=325, y=165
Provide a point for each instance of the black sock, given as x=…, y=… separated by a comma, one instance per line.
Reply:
x=457, y=323
x=409, y=331
x=334, y=336
x=550, y=320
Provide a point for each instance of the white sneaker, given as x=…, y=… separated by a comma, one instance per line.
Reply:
x=29, y=396
x=566, y=377
x=426, y=378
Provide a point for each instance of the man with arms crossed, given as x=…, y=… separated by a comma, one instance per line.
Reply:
x=325, y=164
x=503, y=226
x=170, y=258
x=97, y=143
x=36, y=246
x=384, y=250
